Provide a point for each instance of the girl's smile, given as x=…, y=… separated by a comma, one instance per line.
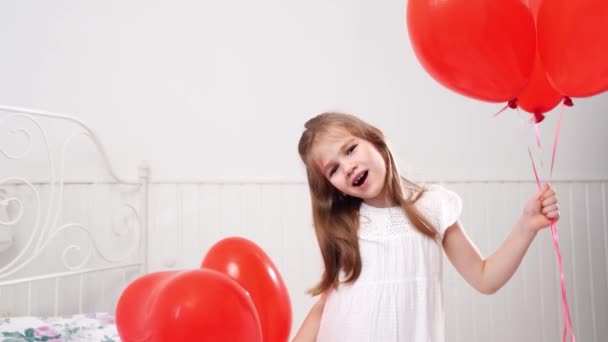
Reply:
x=353, y=166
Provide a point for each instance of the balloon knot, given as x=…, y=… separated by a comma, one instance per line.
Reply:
x=512, y=104
x=538, y=117
x=568, y=101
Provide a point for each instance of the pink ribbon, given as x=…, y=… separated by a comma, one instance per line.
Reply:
x=565, y=307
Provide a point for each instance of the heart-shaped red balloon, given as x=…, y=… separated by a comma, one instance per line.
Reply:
x=134, y=305
x=246, y=263
x=203, y=305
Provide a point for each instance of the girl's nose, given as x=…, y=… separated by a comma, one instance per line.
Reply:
x=350, y=169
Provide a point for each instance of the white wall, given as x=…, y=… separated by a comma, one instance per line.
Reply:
x=194, y=86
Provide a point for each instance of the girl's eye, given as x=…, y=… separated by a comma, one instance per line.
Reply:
x=351, y=149
x=333, y=170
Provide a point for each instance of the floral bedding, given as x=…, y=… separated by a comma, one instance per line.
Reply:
x=91, y=328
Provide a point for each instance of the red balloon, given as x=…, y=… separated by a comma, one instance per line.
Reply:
x=573, y=45
x=133, y=307
x=245, y=262
x=539, y=96
x=483, y=49
x=203, y=305
x=533, y=5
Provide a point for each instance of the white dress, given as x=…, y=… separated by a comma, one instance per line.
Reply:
x=398, y=296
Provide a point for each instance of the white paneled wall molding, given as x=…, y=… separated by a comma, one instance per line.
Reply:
x=188, y=217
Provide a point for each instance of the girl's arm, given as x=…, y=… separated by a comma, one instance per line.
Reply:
x=490, y=274
x=310, y=327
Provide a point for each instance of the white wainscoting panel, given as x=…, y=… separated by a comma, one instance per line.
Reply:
x=186, y=219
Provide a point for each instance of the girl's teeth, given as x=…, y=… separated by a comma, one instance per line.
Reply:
x=358, y=180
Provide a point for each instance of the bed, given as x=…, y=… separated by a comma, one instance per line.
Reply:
x=73, y=234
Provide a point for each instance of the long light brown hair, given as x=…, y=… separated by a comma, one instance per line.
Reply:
x=335, y=216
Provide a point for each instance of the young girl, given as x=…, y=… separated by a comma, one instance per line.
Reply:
x=382, y=239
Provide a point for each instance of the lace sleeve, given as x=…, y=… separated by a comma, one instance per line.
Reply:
x=442, y=207
x=450, y=210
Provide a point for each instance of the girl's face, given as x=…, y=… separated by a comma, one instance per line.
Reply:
x=353, y=166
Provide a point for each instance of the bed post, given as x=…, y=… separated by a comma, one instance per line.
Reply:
x=144, y=180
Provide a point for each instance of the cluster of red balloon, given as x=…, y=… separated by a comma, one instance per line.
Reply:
x=236, y=295
x=529, y=53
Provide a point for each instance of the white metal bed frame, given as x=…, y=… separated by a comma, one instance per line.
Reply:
x=47, y=226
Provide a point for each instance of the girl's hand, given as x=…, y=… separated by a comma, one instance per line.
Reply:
x=541, y=210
